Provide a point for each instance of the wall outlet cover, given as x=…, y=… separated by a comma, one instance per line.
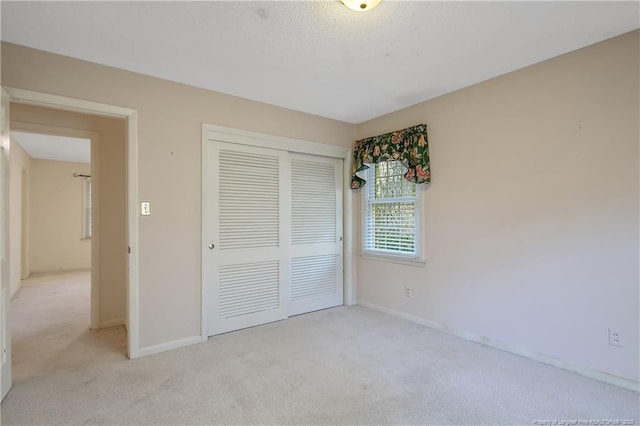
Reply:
x=615, y=337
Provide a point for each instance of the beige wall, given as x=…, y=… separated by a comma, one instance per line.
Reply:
x=532, y=214
x=19, y=162
x=109, y=184
x=55, y=217
x=170, y=118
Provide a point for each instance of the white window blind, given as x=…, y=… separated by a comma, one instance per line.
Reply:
x=390, y=211
x=87, y=228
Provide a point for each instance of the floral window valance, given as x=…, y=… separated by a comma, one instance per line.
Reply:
x=410, y=146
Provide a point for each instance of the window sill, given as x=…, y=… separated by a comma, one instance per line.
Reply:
x=394, y=259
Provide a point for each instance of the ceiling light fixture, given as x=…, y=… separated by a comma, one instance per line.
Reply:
x=361, y=5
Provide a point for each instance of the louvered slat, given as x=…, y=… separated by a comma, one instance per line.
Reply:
x=313, y=202
x=313, y=276
x=248, y=288
x=249, y=200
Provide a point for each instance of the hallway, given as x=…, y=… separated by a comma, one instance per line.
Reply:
x=50, y=318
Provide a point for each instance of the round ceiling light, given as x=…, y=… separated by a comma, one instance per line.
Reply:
x=361, y=5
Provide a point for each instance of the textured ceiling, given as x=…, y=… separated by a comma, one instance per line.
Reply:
x=318, y=57
x=59, y=148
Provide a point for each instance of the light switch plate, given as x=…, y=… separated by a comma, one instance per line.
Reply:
x=145, y=208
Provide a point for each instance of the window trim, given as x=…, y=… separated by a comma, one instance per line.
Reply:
x=394, y=258
x=413, y=259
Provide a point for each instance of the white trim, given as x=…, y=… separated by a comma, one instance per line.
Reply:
x=112, y=323
x=591, y=373
x=348, y=247
x=79, y=105
x=163, y=347
x=69, y=104
x=45, y=129
x=5, y=249
x=243, y=137
x=204, y=335
x=95, y=233
x=403, y=260
x=133, y=296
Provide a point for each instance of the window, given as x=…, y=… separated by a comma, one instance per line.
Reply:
x=390, y=209
x=87, y=229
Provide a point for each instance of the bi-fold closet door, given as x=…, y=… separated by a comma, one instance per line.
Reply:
x=272, y=234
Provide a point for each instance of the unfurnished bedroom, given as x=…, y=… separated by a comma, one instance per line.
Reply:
x=320, y=212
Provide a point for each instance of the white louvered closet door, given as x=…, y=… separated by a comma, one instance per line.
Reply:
x=316, y=234
x=246, y=192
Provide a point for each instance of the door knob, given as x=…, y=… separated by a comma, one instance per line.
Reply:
x=211, y=246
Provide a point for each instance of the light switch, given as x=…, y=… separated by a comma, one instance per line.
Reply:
x=145, y=208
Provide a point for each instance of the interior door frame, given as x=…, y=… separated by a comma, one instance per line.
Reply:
x=131, y=116
x=211, y=132
x=24, y=220
x=5, y=249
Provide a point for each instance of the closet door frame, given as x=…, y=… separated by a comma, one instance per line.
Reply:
x=213, y=133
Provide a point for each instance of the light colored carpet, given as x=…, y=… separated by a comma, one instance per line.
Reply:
x=338, y=366
x=50, y=318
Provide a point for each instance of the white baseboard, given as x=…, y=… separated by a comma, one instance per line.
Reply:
x=187, y=341
x=112, y=323
x=545, y=359
x=14, y=291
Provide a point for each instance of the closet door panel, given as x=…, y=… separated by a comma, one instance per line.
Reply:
x=246, y=267
x=316, y=234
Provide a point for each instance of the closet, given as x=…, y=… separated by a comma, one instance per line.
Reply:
x=272, y=231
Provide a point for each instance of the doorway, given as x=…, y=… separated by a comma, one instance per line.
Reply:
x=67, y=301
x=130, y=242
x=60, y=210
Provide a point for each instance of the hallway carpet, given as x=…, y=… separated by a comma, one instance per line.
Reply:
x=50, y=319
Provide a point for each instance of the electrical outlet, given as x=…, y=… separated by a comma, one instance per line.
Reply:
x=615, y=337
x=407, y=291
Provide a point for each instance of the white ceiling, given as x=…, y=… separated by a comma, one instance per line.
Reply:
x=318, y=56
x=59, y=148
